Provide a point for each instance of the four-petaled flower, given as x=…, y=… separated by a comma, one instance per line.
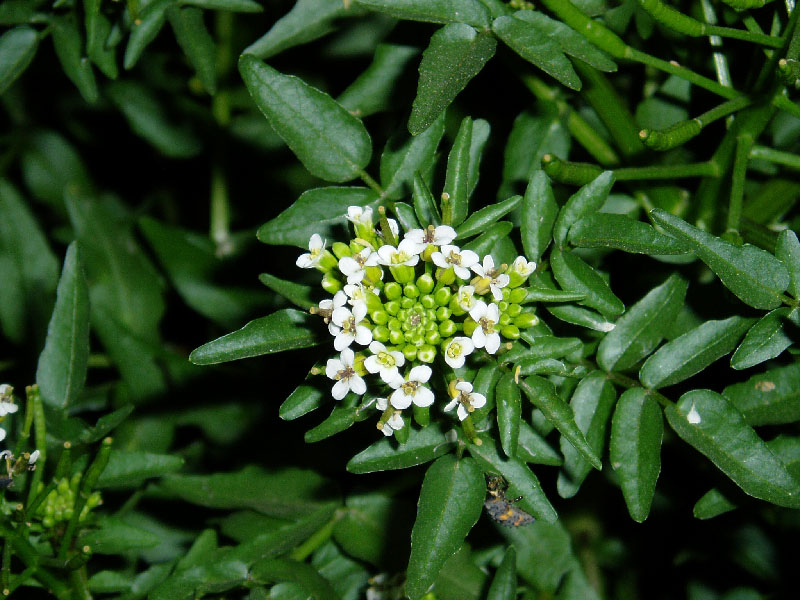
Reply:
x=406, y=253
x=348, y=326
x=354, y=266
x=309, y=260
x=466, y=297
x=522, y=267
x=411, y=390
x=467, y=400
x=459, y=260
x=359, y=215
x=457, y=350
x=486, y=317
x=342, y=371
x=393, y=423
x=437, y=236
x=384, y=361
x=496, y=279
x=7, y=408
x=357, y=293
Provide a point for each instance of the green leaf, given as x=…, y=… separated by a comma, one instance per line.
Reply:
x=50, y=165
x=455, y=55
x=754, y=275
x=542, y=394
x=115, y=536
x=787, y=448
x=341, y=418
x=483, y=244
x=480, y=135
x=533, y=135
x=302, y=401
x=319, y=211
x=481, y=219
x=587, y=200
x=643, y=326
x=788, y=252
x=543, y=294
x=766, y=339
x=148, y=120
x=581, y=316
x=98, y=30
x=17, y=49
x=449, y=505
x=130, y=469
x=373, y=90
x=591, y=404
x=296, y=293
x=635, y=449
x=521, y=480
x=713, y=426
x=245, y=6
x=769, y=398
x=400, y=162
x=604, y=230
x=541, y=346
x=455, y=197
x=306, y=576
x=423, y=446
x=287, y=329
x=406, y=216
x=692, y=352
x=253, y=488
x=574, y=275
x=68, y=44
x=544, y=554
x=711, y=505
x=330, y=142
x=509, y=413
x=196, y=43
x=533, y=448
x=460, y=578
x=504, y=583
x=61, y=371
x=470, y=12
x=144, y=30
x=484, y=383
x=424, y=203
x=539, y=211
x=307, y=21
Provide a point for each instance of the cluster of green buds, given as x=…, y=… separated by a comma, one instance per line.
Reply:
x=409, y=302
x=59, y=504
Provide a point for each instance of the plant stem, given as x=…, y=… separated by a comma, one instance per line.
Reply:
x=582, y=173
x=371, y=183
x=743, y=144
x=787, y=159
x=319, y=537
x=40, y=437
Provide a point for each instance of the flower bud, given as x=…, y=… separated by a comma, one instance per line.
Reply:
x=379, y=317
x=430, y=315
x=433, y=337
x=327, y=262
x=481, y=285
x=506, y=293
x=373, y=275
x=396, y=337
x=358, y=364
x=504, y=319
x=455, y=307
x=414, y=338
x=392, y=307
x=402, y=273
x=445, y=276
x=502, y=305
x=525, y=320
x=422, y=415
x=442, y=296
x=427, y=301
x=469, y=327
x=510, y=332
x=447, y=328
x=410, y=352
x=514, y=310
x=442, y=313
x=426, y=353
x=381, y=333
x=517, y=296
x=341, y=250
x=407, y=302
x=395, y=324
x=393, y=290
x=428, y=252
x=330, y=284
x=410, y=290
x=425, y=283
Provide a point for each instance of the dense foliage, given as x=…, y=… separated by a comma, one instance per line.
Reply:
x=529, y=318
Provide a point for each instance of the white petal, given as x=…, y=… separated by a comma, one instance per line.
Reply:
x=462, y=412
x=326, y=304
x=2, y=434
x=393, y=227
x=488, y=263
x=423, y=397
x=356, y=277
x=343, y=340
x=340, y=315
x=333, y=367
x=455, y=363
x=315, y=243
x=376, y=347
x=399, y=400
x=385, y=254
x=420, y=373
x=9, y=407
x=389, y=375
x=408, y=247
x=399, y=358
x=395, y=421
x=464, y=386
x=438, y=259
x=466, y=345
x=411, y=262
x=357, y=385
x=340, y=389
x=493, y=313
x=371, y=260
x=478, y=337
x=477, y=400
x=444, y=234
x=359, y=311
x=492, y=342
x=348, y=356
x=451, y=405
x=387, y=431
x=339, y=299
x=363, y=335
x=381, y=403
x=502, y=280
x=397, y=381
x=496, y=293
x=478, y=311
x=348, y=265
x=305, y=261
x=333, y=329
x=461, y=272
x=415, y=235
x=469, y=258
x=371, y=363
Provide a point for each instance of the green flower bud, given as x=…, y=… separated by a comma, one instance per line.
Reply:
x=418, y=309
x=427, y=301
x=525, y=320
x=48, y=522
x=426, y=353
x=407, y=302
x=469, y=327
x=341, y=250
x=372, y=275
x=502, y=305
x=392, y=307
x=410, y=291
x=330, y=284
x=373, y=303
x=381, y=333
x=455, y=308
x=63, y=486
x=506, y=293
x=414, y=338
x=447, y=328
x=518, y=295
x=442, y=313
x=510, y=332
x=393, y=290
x=402, y=273
x=442, y=296
x=430, y=314
x=445, y=276
x=396, y=337
x=504, y=319
x=425, y=283
x=515, y=279
x=379, y=317
x=410, y=352
x=358, y=364
x=355, y=247
x=422, y=415
x=395, y=324
x=433, y=337
x=327, y=261
x=514, y=310
x=401, y=435
x=428, y=252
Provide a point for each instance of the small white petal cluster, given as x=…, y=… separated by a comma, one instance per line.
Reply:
x=460, y=260
x=354, y=267
x=406, y=253
x=456, y=352
x=343, y=372
x=412, y=390
x=393, y=423
x=497, y=280
x=311, y=259
x=466, y=401
x=346, y=326
x=485, y=334
x=436, y=236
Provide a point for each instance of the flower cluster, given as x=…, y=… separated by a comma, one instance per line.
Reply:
x=399, y=304
x=7, y=405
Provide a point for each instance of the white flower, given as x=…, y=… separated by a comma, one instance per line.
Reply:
x=405, y=254
x=384, y=362
x=359, y=215
x=5, y=390
x=466, y=297
x=486, y=317
x=33, y=458
x=453, y=256
x=7, y=408
x=311, y=259
x=457, y=350
x=522, y=267
x=353, y=266
x=2, y=434
x=357, y=293
x=411, y=389
x=438, y=236
x=496, y=279
x=393, y=423
x=341, y=370
x=348, y=326
x=467, y=401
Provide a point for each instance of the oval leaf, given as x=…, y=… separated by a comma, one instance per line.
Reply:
x=509, y=413
x=604, y=230
x=328, y=140
x=479, y=220
x=471, y=12
x=766, y=339
x=574, y=275
x=131, y=468
x=770, y=398
x=17, y=49
x=539, y=212
x=504, y=584
x=400, y=163
x=423, y=446
x=585, y=201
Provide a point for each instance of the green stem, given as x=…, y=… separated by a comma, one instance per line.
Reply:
x=220, y=211
x=674, y=69
x=40, y=437
x=371, y=183
x=5, y=570
x=787, y=159
x=321, y=536
x=743, y=144
x=582, y=173
x=720, y=60
x=80, y=584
